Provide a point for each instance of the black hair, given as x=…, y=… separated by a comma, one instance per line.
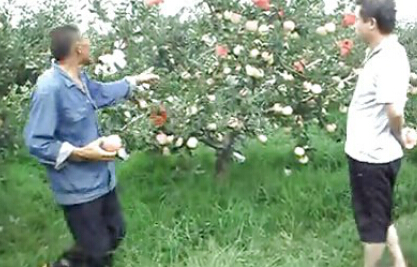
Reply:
x=62, y=39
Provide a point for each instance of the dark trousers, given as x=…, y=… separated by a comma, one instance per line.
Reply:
x=372, y=187
x=98, y=228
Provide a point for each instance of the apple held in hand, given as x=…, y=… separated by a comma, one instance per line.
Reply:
x=410, y=138
x=111, y=143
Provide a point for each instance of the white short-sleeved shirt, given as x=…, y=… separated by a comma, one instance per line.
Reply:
x=383, y=80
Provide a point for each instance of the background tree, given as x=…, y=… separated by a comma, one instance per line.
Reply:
x=231, y=70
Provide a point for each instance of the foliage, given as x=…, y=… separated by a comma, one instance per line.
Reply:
x=13, y=115
x=407, y=37
x=23, y=56
x=224, y=80
x=24, y=48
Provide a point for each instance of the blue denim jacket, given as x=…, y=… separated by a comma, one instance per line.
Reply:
x=61, y=112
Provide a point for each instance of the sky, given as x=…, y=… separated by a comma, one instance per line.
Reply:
x=406, y=8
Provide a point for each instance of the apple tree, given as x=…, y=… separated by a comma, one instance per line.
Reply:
x=232, y=71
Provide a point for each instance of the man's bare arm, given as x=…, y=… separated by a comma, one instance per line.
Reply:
x=396, y=122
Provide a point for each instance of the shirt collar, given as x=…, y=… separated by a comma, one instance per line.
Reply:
x=386, y=42
x=69, y=82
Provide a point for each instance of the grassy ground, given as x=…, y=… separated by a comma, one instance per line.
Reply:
x=178, y=216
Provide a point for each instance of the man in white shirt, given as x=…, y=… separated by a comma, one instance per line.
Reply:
x=375, y=142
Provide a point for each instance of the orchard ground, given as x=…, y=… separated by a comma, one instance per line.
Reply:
x=178, y=215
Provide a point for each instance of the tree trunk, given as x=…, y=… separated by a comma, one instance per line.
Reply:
x=224, y=156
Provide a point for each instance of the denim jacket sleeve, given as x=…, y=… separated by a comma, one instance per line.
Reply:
x=41, y=126
x=108, y=94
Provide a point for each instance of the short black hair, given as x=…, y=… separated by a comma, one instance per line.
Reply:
x=383, y=11
x=62, y=39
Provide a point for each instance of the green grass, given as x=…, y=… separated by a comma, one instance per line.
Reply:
x=178, y=215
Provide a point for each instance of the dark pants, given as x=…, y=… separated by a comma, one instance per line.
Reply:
x=372, y=198
x=98, y=228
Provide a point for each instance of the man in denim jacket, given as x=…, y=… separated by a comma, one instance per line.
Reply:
x=63, y=134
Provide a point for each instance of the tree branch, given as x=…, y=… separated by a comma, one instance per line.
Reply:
x=210, y=143
x=135, y=119
x=290, y=69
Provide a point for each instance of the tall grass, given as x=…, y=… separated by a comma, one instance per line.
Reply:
x=178, y=215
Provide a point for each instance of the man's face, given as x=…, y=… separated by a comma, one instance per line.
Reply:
x=83, y=51
x=365, y=29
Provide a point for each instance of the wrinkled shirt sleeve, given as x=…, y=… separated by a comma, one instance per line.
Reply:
x=64, y=153
x=109, y=94
x=41, y=126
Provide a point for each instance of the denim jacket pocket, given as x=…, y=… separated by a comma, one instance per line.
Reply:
x=76, y=115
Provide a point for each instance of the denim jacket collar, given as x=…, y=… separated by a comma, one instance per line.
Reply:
x=69, y=82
